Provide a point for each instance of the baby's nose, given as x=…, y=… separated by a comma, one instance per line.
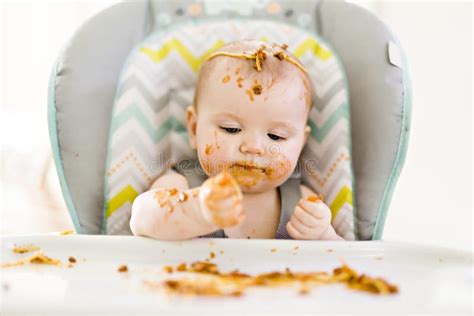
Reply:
x=252, y=148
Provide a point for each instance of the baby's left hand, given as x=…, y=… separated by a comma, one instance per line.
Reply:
x=311, y=220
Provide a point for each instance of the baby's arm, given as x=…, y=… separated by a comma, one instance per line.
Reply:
x=172, y=211
x=311, y=219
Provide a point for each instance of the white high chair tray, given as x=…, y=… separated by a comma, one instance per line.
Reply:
x=429, y=279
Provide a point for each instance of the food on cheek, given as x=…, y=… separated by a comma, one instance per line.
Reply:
x=279, y=168
x=209, y=149
x=206, y=166
x=215, y=138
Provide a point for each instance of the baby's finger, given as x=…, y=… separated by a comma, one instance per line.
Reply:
x=305, y=217
x=315, y=198
x=293, y=232
x=305, y=230
x=318, y=210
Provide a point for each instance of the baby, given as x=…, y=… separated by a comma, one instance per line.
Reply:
x=248, y=123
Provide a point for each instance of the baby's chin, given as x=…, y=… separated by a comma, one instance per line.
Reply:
x=253, y=182
x=251, y=178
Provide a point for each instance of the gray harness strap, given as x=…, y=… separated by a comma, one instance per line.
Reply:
x=290, y=194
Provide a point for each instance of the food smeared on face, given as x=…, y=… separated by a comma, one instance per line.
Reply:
x=209, y=149
x=215, y=138
x=261, y=67
x=248, y=173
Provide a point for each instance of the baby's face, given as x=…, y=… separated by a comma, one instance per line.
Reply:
x=257, y=138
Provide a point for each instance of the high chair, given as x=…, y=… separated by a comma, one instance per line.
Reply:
x=119, y=88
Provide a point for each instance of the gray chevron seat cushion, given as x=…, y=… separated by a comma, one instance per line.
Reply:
x=148, y=133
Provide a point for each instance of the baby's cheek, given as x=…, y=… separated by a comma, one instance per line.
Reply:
x=212, y=158
x=280, y=167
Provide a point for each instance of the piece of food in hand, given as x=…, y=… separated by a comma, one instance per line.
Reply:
x=315, y=198
x=220, y=199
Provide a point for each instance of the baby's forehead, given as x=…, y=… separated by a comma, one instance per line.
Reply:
x=281, y=100
x=239, y=72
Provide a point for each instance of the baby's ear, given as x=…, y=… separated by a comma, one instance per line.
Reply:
x=191, y=123
x=307, y=131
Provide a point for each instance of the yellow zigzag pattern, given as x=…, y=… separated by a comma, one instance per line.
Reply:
x=158, y=55
x=315, y=47
x=128, y=194
x=344, y=196
x=191, y=60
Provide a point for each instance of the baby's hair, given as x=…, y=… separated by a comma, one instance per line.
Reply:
x=259, y=59
x=260, y=55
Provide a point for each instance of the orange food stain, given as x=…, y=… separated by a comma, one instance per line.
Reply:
x=215, y=137
x=239, y=82
x=313, y=198
x=250, y=94
x=209, y=149
x=226, y=79
x=182, y=197
x=172, y=191
x=257, y=88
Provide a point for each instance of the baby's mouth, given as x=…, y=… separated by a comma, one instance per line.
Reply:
x=249, y=166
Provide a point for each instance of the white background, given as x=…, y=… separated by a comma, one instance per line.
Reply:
x=433, y=200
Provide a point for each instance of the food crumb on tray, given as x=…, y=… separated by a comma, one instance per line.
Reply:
x=209, y=281
x=38, y=258
x=67, y=232
x=25, y=248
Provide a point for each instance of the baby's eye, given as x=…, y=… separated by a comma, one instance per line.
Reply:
x=275, y=137
x=230, y=130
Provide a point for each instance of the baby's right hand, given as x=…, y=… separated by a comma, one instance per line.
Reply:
x=220, y=201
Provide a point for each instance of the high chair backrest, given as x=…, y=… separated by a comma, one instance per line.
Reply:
x=85, y=79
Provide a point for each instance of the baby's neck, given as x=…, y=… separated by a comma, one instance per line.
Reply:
x=262, y=204
x=263, y=214
x=259, y=195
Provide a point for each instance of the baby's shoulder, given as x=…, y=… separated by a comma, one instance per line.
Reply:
x=171, y=178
